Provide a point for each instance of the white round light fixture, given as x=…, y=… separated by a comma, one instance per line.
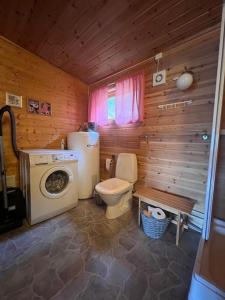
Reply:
x=184, y=81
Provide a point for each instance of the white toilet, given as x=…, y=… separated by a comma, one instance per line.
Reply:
x=117, y=192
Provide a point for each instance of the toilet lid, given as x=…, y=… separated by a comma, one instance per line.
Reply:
x=112, y=186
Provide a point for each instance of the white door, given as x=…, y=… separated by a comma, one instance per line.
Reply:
x=215, y=131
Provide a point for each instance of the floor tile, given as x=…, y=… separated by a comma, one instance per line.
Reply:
x=82, y=255
x=99, y=289
x=47, y=284
x=136, y=286
x=96, y=266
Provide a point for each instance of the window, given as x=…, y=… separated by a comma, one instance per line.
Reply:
x=120, y=102
x=129, y=99
x=111, y=108
x=111, y=103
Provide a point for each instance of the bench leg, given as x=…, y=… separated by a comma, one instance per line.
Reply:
x=178, y=229
x=139, y=212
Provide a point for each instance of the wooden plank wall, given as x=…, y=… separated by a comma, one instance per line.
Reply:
x=176, y=158
x=25, y=74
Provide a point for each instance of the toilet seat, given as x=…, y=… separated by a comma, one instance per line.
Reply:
x=113, y=186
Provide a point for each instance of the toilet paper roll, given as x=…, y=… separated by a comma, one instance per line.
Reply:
x=150, y=208
x=108, y=163
x=158, y=214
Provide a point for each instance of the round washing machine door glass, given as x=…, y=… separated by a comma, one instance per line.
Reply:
x=56, y=182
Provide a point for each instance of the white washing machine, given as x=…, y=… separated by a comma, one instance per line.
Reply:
x=49, y=181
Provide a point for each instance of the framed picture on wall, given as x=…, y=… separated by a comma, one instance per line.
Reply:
x=45, y=108
x=39, y=107
x=33, y=106
x=14, y=100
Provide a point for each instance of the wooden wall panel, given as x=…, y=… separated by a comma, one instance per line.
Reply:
x=23, y=73
x=175, y=159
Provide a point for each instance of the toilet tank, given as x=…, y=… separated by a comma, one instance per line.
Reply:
x=126, y=167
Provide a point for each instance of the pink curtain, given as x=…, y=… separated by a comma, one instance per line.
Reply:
x=130, y=99
x=97, y=108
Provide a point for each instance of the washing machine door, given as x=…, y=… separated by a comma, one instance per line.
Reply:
x=56, y=182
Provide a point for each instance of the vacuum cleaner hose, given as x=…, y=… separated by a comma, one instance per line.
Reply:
x=8, y=109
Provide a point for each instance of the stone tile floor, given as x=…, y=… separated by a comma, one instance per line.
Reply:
x=82, y=255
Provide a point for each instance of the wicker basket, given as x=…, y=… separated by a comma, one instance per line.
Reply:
x=154, y=228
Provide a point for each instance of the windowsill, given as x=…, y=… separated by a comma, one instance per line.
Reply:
x=112, y=124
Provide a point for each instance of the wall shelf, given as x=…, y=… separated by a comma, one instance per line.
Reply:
x=175, y=105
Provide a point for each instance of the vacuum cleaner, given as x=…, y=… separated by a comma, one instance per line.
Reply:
x=12, y=202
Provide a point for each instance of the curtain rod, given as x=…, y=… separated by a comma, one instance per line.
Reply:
x=122, y=71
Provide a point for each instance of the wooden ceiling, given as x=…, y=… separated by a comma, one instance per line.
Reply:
x=92, y=39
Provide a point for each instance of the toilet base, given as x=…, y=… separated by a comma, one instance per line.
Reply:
x=123, y=206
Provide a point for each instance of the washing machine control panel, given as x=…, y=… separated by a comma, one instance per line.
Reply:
x=64, y=156
x=56, y=157
x=48, y=158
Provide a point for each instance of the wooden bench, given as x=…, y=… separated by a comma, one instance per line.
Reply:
x=177, y=205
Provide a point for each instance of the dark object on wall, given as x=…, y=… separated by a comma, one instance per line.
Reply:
x=12, y=203
x=205, y=137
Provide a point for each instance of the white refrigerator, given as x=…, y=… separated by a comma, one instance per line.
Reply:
x=86, y=145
